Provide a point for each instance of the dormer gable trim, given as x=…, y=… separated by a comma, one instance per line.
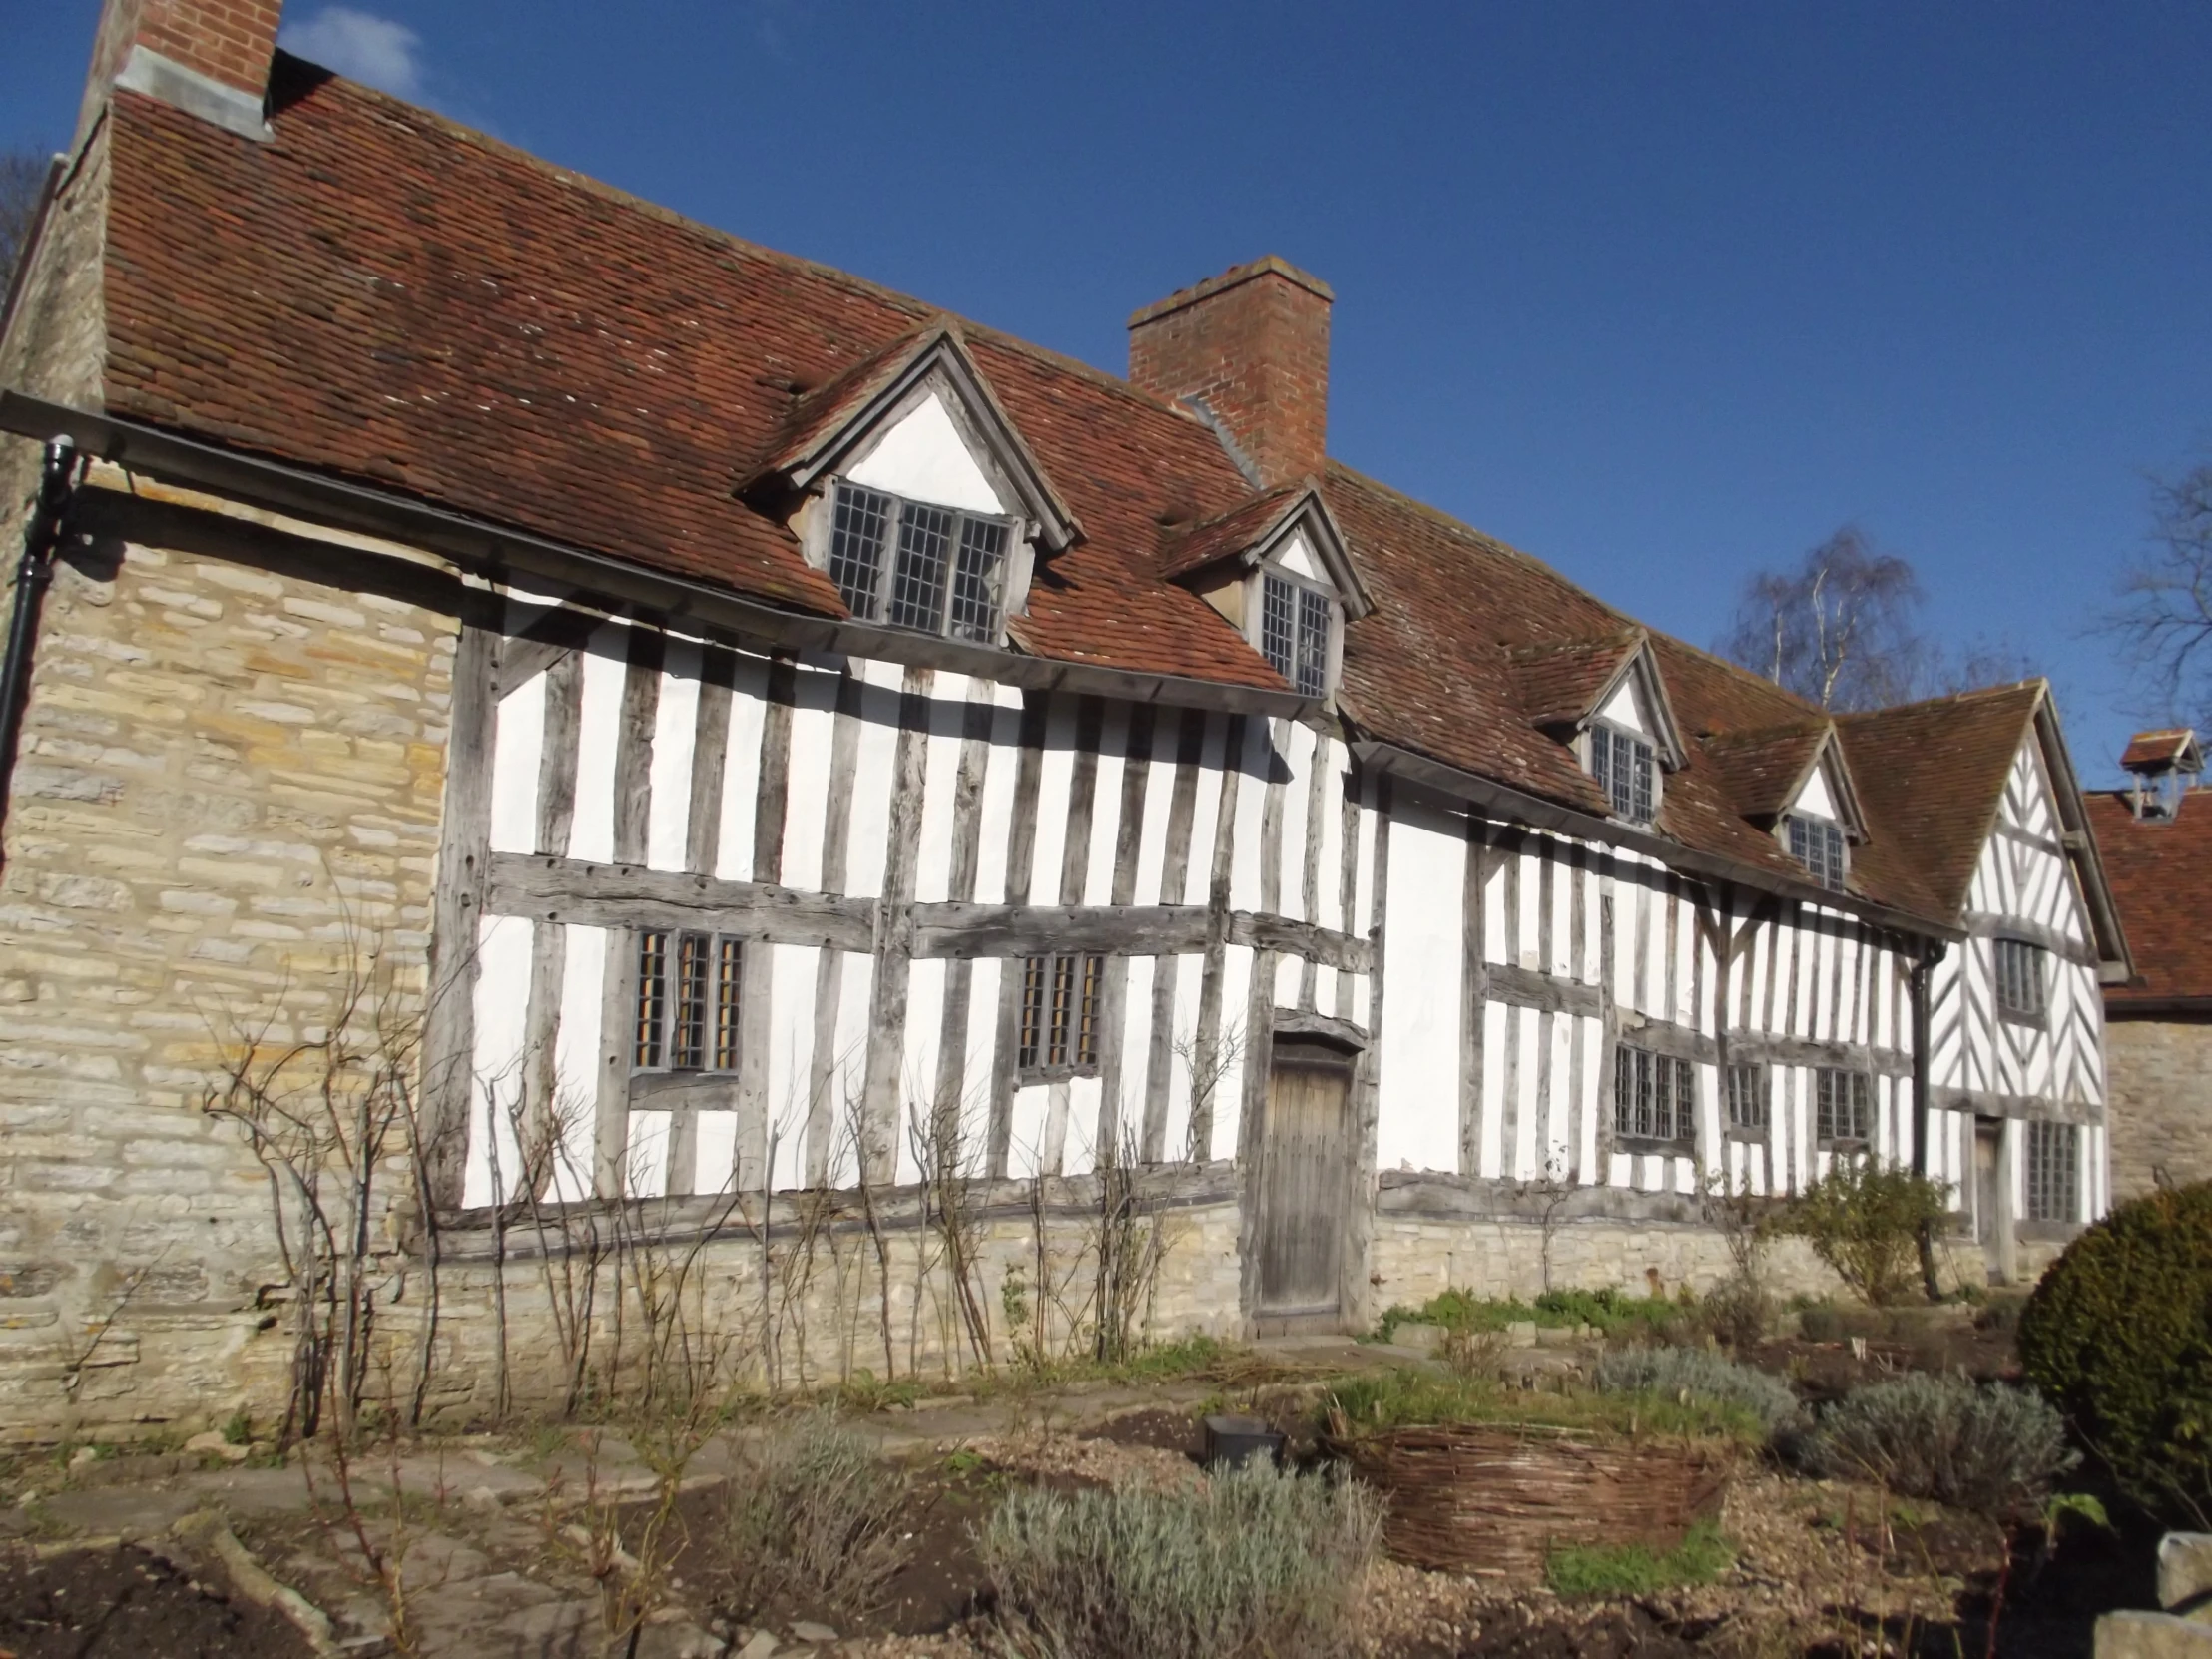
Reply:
x=1249, y=538
x=1639, y=670
x=859, y=409
x=1826, y=759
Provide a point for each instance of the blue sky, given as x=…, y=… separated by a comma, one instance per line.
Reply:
x=1660, y=292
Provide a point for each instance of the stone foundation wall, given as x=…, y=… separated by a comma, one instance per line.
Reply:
x=1415, y=1257
x=2158, y=1074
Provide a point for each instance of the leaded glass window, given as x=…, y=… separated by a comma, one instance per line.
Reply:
x=1622, y=763
x=687, y=1000
x=1296, y=622
x=2053, y=1172
x=1654, y=1096
x=1842, y=1104
x=918, y=566
x=2019, y=978
x=1059, y=1014
x=1818, y=844
x=1746, y=1096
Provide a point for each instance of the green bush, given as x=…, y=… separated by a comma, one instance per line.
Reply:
x=1628, y=1570
x=1864, y=1218
x=1993, y=1448
x=814, y=1516
x=2119, y=1334
x=1700, y=1375
x=1251, y=1564
x=1409, y=1397
x=1612, y=1311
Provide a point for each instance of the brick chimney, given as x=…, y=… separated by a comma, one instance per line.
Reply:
x=206, y=56
x=1249, y=351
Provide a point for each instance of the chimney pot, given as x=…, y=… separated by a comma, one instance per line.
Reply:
x=1249, y=349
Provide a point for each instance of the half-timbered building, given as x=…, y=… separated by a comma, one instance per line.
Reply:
x=776, y=738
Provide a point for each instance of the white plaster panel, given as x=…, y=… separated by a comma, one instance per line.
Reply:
x=598, y=731
x=675, y=735
x=576, y=1057
x=1236, y=1003
x=1000, y=765
x=1205, y=812
x=1252, y=805
x=1814, y=798
x=807, y=779
x=1297, y=556
x=940, y=784
x=502, y=998
x=924, y=458
x=518, y=746
x=741, y=772
x=1625, y=708
x=1417, y=1112
x=1297, y=755
x=791, y=1052
x=1113, y=744
x=645, y=1157
x=875, y=775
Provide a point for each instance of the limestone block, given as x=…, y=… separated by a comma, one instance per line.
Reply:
x=1423, y=1339
x=2185, y=1574
x=2136, y=1635
x=1521, y=1334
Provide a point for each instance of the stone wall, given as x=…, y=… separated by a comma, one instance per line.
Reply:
x=2159, y=1075
x=228, y=786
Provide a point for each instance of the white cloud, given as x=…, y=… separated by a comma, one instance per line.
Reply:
x=361, y=46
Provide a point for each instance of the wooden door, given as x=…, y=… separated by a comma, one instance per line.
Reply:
x=1303, y=1183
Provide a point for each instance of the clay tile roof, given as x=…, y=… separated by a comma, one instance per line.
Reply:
x=1761, y=769
x=1930, y=778
x=2158, y=750
x=380, y=295
x=1194, y=547
x=2160, y=872
x=1560, y=681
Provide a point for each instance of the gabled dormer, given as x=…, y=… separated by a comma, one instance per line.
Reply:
x=1604, y=698
x=1276, y=568
x=1794, y=782
x=915, y=493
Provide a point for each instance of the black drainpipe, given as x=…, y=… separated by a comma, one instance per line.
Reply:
x=1922, y=972
x=33, y=573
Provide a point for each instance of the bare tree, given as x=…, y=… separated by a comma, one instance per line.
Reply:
x=2163, y=625
x=1843, y=630
x=22, y=184
x=1839, y=630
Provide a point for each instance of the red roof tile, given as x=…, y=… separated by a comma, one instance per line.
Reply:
x=2160, y=872
x=381, y=294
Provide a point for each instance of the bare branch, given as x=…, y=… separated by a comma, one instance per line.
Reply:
x=2162, y=624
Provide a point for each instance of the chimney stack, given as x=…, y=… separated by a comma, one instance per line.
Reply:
x=2162, y=764
x=208, y=58
x=1249, y=351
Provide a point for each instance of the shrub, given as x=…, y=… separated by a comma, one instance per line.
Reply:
x=1864, y=1219
x=1251, y=1564
x=1674, y=1371
x=1635, y=1570
x=1609, y=1310
x=813, y=1517
x=2119, y=1334
x=1990, y=1449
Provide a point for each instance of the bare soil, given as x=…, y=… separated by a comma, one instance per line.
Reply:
x=124, y=1603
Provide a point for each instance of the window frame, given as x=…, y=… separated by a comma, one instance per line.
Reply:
x=1857, y=1089
x=663, y=1004
x=2051, y=1176
x=1601, y=735
x=882, y=596
x=1256, y=632
x=1043, y=1026
x=1630, y=1058
x=1828, y=828
x=1762, y=1083
x=2027, y=953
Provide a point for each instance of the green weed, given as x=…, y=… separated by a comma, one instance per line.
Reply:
x=1627, y=1570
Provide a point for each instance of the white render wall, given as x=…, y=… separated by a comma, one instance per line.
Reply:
x=1621, y=942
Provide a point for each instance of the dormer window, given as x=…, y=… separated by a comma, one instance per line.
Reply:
x=917, y=566
x=1818, y=844
x=1296, y=625
x=1624, y=767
